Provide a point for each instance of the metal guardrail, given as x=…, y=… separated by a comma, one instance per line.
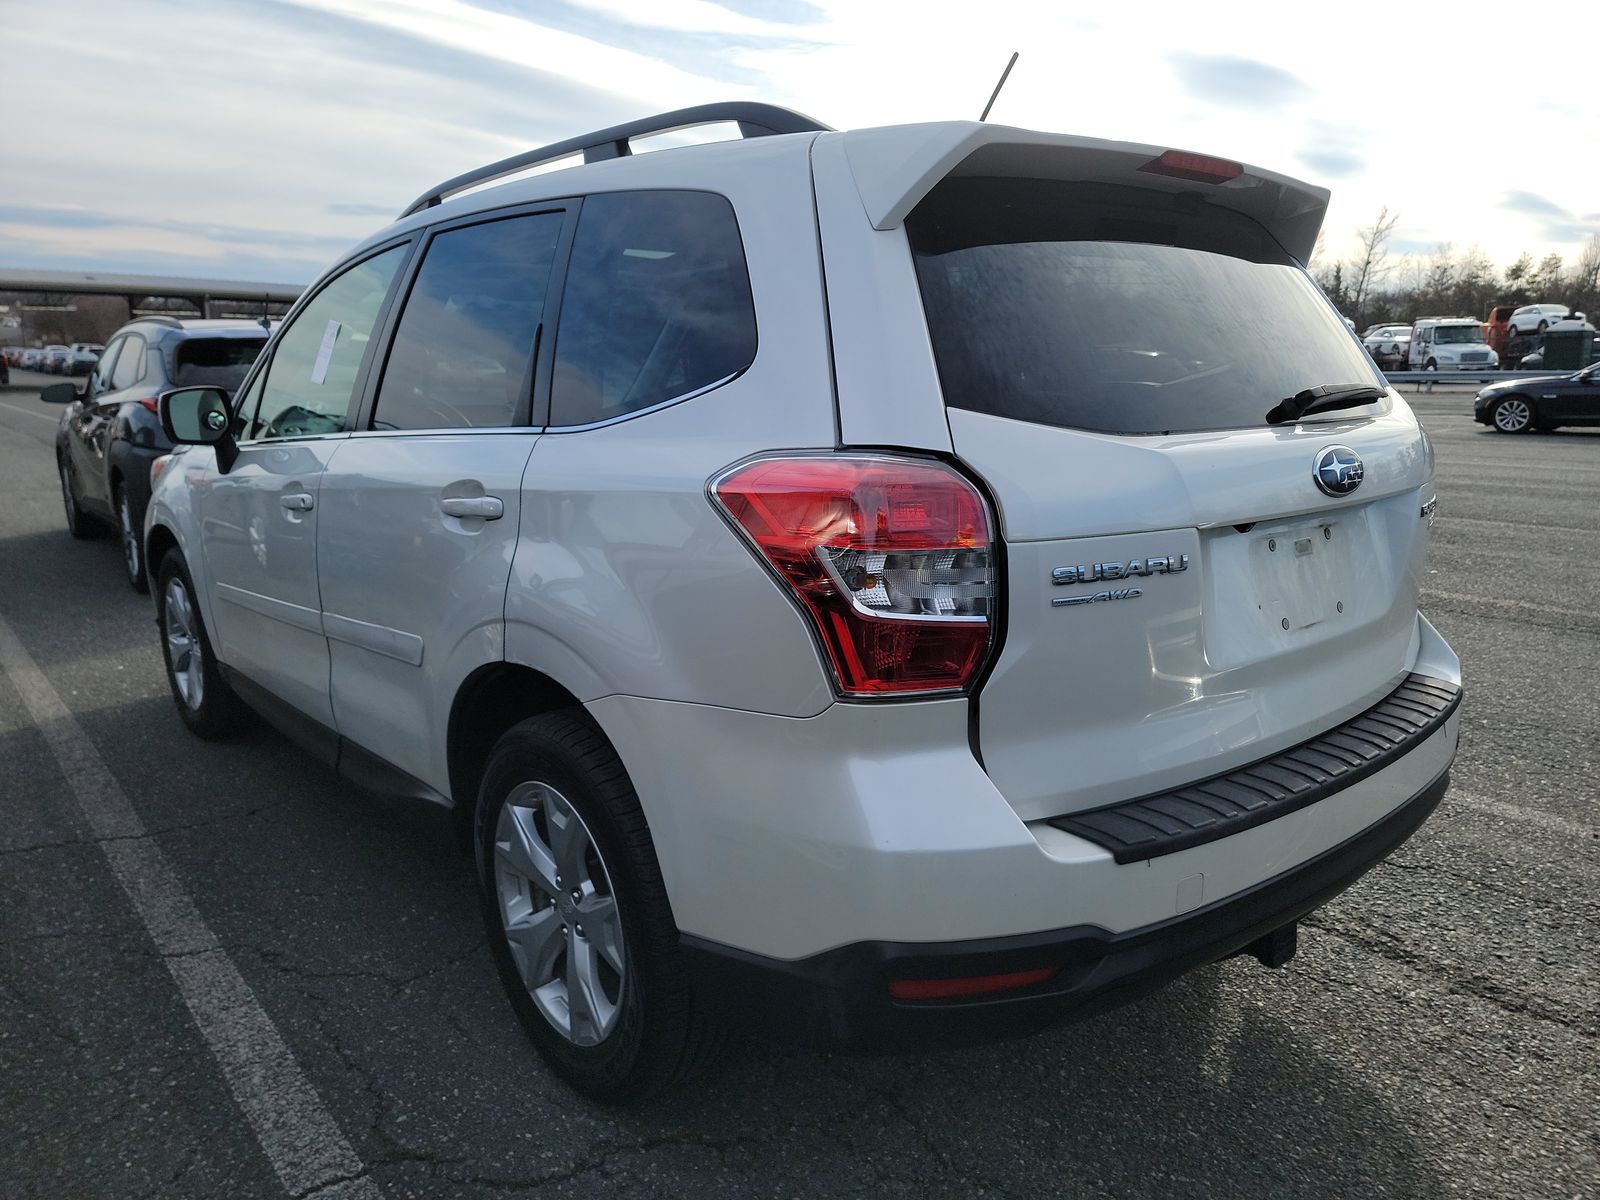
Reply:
x=1429, y=378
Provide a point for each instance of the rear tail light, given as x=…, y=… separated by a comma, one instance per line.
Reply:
x=158, y=468
x=892, y=559
x=1201, y=168
x=151, y=403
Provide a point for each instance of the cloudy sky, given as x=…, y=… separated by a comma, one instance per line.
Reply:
x=258, y=138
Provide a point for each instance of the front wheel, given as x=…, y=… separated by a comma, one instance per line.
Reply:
x=1513, y=415
x=577, y=915
x=128, y=526
x=205, y=702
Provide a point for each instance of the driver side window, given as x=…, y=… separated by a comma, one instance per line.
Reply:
x=318, y=358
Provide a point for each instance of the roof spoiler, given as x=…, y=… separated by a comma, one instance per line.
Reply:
x=896, y=166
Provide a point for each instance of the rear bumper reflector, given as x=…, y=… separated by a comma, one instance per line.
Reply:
x=1136, y=830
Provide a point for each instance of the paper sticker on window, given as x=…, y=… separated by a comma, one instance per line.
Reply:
x=319, y=369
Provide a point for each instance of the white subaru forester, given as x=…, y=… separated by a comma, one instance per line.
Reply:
x=885, y=586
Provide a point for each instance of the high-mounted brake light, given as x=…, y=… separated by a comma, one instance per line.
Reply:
x=1201, y=168
x=891, y=558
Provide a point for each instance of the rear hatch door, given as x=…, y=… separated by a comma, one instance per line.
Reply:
x=1183, y=595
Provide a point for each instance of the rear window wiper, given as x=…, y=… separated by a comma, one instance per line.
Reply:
x=1323, y=399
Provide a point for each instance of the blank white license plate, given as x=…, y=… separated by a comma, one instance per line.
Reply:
x=1302, y=574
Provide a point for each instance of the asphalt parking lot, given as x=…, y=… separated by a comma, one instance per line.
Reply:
x=1438, y=1034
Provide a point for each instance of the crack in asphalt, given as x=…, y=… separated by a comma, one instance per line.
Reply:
x=1479, y=987
x=149, y=834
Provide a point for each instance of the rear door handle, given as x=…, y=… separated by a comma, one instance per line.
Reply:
x=298, y=501
x=490, y=508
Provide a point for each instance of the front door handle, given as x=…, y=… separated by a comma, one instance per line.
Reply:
x=490, y=508
x=298, y=501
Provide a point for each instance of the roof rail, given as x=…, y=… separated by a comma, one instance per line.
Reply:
x=754, y=120
x=160, y=319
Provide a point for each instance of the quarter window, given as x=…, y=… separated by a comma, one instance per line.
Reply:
x=463, y=352
x=317, y=359
x=130, y=363
x=657, y=304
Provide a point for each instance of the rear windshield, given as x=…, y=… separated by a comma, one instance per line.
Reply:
x=215, y=362
x=1118, y=309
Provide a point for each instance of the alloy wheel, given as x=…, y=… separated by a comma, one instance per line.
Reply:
x=68, y=500
x=130, y=536
x=559, y=913
x=1512, y=415
x=185, y=657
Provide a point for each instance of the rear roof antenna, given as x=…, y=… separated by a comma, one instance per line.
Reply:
x=1004, y=75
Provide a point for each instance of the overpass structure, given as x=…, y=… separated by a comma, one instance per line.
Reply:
x=170, y=295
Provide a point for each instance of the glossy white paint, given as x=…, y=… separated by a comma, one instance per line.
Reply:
x=875, y=821
x=414, y=599
x=258, y=563
x=888, y=383
x=1197, y=674
x=626, y=579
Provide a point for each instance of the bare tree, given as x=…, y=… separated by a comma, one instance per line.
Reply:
x=1368, y=271
x=1517, y=279
x=1441, y=279
x=1585, y=285
x=1547, y=281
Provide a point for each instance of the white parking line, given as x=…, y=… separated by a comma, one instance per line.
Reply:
x=1501, y=602
x=1554, y=822
x=53, y=418
x=298, y=1135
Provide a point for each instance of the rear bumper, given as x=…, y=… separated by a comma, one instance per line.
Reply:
x=841, y=997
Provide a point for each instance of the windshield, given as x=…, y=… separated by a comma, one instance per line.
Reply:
x=1457, y=335
x=1117, y=309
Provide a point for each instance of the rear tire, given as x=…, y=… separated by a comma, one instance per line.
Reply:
x=561, y=840
x=128, y=529
x=205, y=702
x=1513, y=414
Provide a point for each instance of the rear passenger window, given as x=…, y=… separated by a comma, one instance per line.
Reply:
x=657, y=305
x=317, y=358
x=462, y=356
x=130, y=363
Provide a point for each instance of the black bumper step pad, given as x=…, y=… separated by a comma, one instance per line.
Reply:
x=1135, y=830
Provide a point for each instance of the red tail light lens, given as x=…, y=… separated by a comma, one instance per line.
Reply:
x=150, y=403
x=891, y=558
x=1201, y=168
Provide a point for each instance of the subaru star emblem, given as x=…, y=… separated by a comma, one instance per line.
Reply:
x=1338, y=470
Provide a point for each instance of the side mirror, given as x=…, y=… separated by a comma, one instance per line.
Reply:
x=60, y=393
x=199, y=416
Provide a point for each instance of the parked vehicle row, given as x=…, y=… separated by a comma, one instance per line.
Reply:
x=110, y=432
x=76, y=359
x=1511, y=337
x=740, y=538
